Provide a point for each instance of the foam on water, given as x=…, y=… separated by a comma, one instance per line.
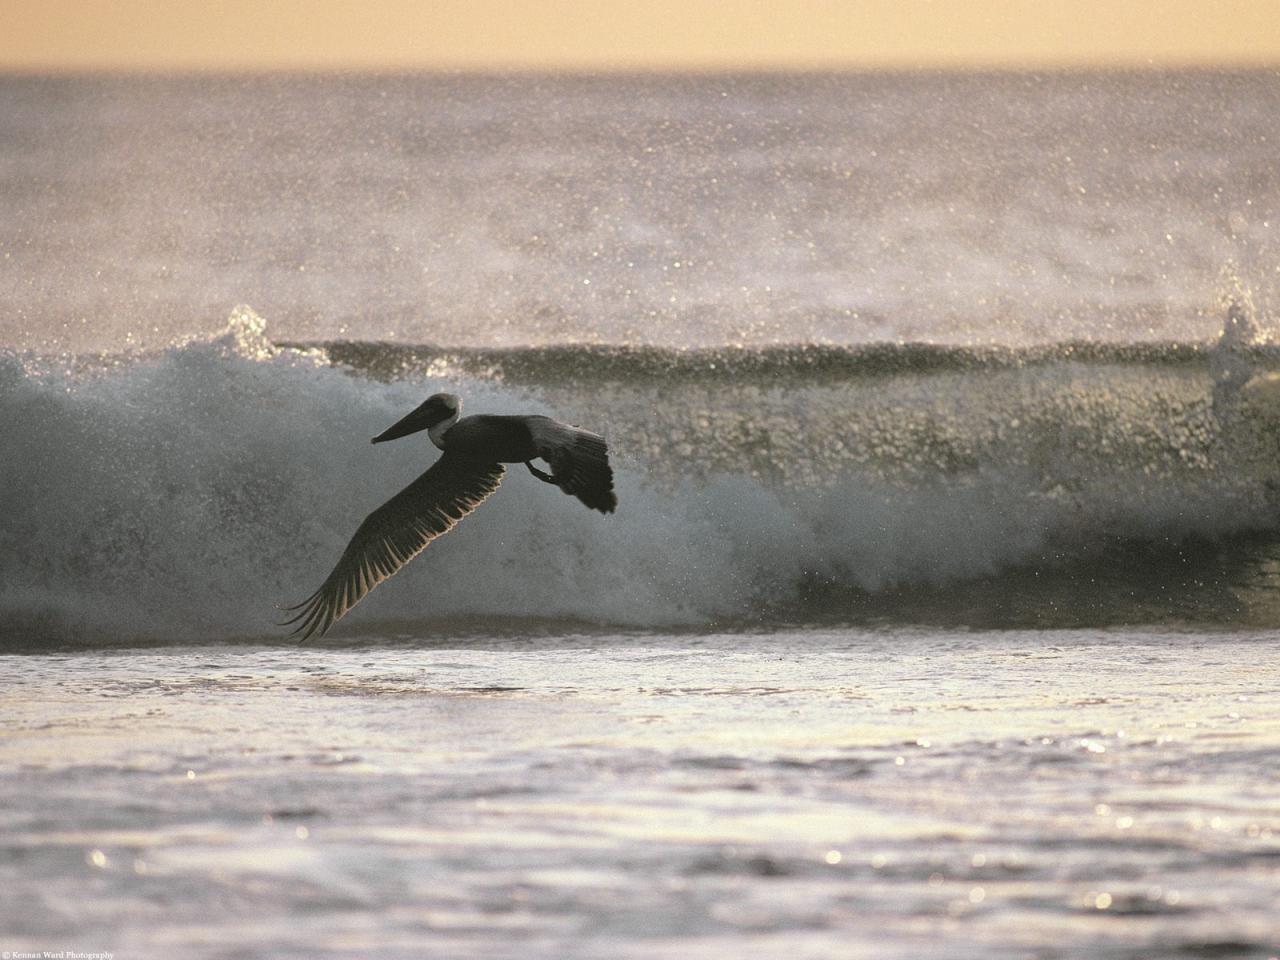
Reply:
x=186, y=493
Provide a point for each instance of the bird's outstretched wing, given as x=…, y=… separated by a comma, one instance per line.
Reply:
x=579, y=461
x=394, y=534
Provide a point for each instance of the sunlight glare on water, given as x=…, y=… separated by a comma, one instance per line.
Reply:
x=881, y=794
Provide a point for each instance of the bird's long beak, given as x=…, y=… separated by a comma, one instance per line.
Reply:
x=419, y=419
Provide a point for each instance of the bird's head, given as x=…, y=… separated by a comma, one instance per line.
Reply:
x=440, y=410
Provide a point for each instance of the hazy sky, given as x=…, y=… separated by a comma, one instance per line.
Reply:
x=645, y=34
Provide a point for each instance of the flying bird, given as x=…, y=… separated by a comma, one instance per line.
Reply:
x=470, y=469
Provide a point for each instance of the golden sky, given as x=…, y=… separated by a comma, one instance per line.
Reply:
x=631, y=34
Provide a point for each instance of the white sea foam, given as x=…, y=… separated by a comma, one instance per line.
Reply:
x=190, y=492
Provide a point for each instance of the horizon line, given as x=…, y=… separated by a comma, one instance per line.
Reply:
x=816, y=68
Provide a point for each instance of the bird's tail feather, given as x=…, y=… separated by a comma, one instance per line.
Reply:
x=585, y=473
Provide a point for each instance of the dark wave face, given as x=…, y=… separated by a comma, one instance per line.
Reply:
x=187, y=492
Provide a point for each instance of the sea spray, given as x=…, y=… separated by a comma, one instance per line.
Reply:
x=188, y=492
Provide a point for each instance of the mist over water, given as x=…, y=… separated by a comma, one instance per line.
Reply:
x=471, y=211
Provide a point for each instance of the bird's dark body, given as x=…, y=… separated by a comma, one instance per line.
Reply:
x=466, y=473
x=491, y=437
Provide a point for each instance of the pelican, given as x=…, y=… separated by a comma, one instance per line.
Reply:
x=470, y=469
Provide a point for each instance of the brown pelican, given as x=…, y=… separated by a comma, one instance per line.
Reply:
x=470, y=469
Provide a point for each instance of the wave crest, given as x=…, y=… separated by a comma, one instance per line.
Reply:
x=184, y=494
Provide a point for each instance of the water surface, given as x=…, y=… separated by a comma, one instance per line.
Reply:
x=890, y=793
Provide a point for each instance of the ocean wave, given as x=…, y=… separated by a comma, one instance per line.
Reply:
x=811, y=362
x=183, y=494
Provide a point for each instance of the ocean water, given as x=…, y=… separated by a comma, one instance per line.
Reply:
x=816, y=793
x=938, y=617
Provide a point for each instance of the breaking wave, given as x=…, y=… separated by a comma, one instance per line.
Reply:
x=182, y=495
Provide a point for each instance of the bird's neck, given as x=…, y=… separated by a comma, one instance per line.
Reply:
x=437, y=432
